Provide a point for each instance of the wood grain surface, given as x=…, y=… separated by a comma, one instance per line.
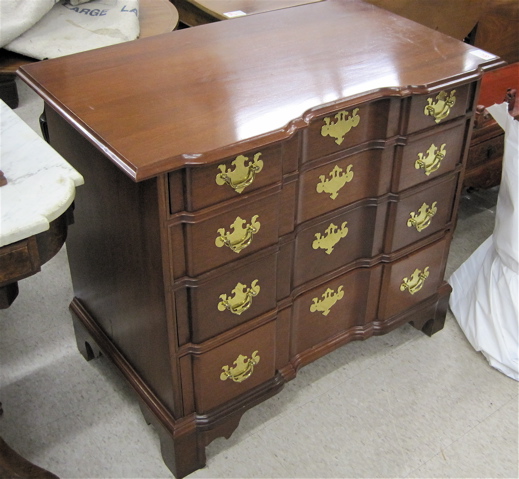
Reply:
x=220, y=87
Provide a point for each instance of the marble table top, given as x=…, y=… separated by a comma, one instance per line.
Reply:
x=41, y=185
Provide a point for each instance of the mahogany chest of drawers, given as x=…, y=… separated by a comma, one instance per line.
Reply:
x=258, y=192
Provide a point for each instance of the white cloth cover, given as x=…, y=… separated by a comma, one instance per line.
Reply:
x=485, y=288
x=17, y=16
x=68, y=28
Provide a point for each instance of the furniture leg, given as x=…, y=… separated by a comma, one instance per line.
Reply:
x=429, y=325
x=85, y=343
x=8, y=294
x=9, y=91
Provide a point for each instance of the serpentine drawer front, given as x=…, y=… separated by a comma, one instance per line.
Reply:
x=327, y=187
x=227, y=297
x=225, y=233
x=230, y=178
x=345, y=128
x=412, y=279
x=442, y=106
x=235, y=367
x=421, y=213
x=335, y=308
x=431, y=154
x=258, y=193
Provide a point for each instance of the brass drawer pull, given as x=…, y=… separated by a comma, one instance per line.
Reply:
x=241, y=300
x=337, y=179
x=330, y=297
x=416, y=282
x=432, y=161
x=424, y=217
x=243, y=174
x=241, y=235
x=333, y=235
x=441, y=108
x=243, y=368
x=343, y=124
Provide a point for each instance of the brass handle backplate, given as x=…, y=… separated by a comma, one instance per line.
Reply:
x=241, y=299
x=241, y=235
x=332, y=235
x=440, y=108
x=424, y=217
x=337, y=178
x=341, y=125
x=243, y=368
x=416, y=281
x=329, y=298
x=243, y=174
x=431, y=160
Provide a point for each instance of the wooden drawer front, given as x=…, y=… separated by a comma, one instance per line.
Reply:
x=486, y=151
x=430, y=155
x=237, y=357
x=414, y=221
x=212, y=239
x=338, y=240
x=339, y=183
x=442, y=106
x=412, y=279
x=334, y=307
x=220, y=302
x=345, y=128
x=207, y=186
x=19, y=260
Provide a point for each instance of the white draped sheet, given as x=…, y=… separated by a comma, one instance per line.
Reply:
x=485, y=288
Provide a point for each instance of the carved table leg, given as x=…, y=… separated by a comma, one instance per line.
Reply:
x=8, y=294
x=9, y=91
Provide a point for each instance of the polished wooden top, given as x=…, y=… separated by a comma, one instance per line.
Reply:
x=196, y=95
x=223, y=9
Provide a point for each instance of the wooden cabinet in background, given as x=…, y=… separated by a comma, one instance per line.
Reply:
x=487, y=144
x=257, y=193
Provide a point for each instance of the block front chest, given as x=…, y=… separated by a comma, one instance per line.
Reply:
x=210, y=283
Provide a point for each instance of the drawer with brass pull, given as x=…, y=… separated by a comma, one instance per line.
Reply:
x=216, y=236
x=337, y=306
x=230, y=178
x=234, y=367
x=420, y=213
x=412, y=279
x=338, y=183
x=336, y=240
x=430, y=154
x=439, y=107
x=347, y=127
x=227, y=297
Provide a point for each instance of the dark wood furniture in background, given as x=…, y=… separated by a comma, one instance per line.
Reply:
x=14, y=466
x=490, y=25
x=24, y=258
x=485, y=158
x=257, y=193
x=155, y=17
x=200, y=12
